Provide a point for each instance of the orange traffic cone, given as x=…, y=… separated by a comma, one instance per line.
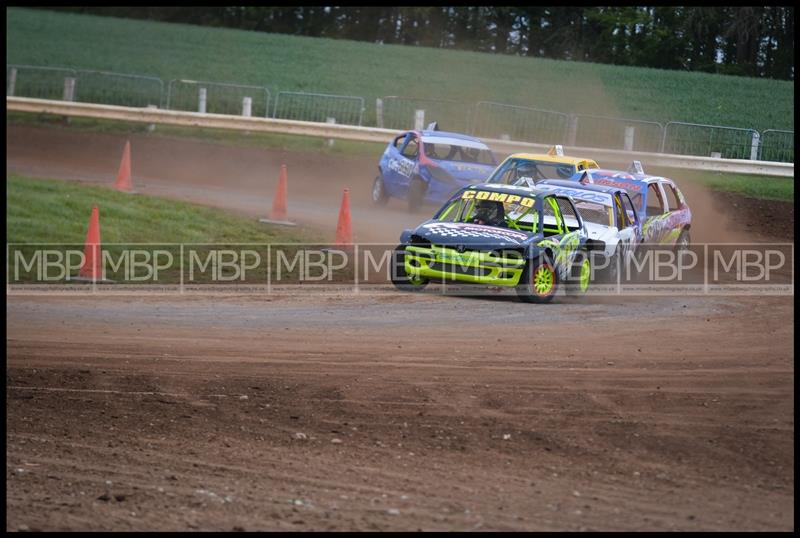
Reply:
x=91, y=268
x=279, y=212
x=344, y=231
x=124, y=175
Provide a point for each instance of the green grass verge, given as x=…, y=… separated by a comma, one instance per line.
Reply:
x=295, y=63
x=192, y=244
x=764, y=187
x=51, y=211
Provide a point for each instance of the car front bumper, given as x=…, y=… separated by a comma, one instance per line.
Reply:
x=479, y=267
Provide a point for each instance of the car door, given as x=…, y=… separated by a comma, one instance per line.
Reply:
x=390, y=164
x=405, y=163
x=627, y=223
x=677, y=212
x=562, y=228
x=656, y=214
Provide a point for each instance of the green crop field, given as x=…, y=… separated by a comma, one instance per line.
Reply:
x=291, y=63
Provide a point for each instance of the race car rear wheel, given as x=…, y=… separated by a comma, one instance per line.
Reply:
x=416, y=195
x=612, y=270
x=683, y=242
x=400, y=278
x=379, y=195
x=539, y=281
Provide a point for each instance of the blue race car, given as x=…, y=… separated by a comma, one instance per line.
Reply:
x=429, y=166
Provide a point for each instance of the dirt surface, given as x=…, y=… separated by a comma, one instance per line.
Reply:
x=399, y=412
x=383, y=411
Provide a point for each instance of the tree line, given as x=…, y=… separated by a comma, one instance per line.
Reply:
x=755, y=41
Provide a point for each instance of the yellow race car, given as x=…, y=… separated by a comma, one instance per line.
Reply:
x=537, y=167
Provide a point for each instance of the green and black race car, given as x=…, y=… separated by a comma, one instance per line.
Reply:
x=500, y=235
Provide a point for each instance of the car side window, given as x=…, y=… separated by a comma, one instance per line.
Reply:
x=672, y=197
x=622, y=219
x=569, y=216
x=411, y=148
x=630, y=210
x=655, y=205
x=398, y=142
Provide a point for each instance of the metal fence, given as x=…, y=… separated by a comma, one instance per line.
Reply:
x=218, y=98
x=710, y=141
x=523, y=124
x=118, y=89
x=615, y=133
x=777, y=145
x=38, y=82
x=484, y=119
x=83, y=85
x=319, y=107
x=400, y=113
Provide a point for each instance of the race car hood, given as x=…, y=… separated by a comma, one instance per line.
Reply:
x=471, y=235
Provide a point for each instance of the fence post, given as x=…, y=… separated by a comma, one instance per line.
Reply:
x=629, y=133
x=69, y=88
x=202, y=104
x=12, y=82
x=247, y=106
x=419, y=119
x=152, y=126
x=754, y=146
x=572, y=132
x=379, y=112
x=332, y=121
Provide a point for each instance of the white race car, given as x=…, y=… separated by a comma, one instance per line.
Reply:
x=608, y=214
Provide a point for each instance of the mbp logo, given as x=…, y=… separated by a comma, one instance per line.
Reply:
x=749, y=264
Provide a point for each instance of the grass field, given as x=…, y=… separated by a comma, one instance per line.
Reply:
x=57, y=213
x=50, y=211
x=767, y=188
x=292, y=63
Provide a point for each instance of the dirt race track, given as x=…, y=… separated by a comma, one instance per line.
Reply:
x=383, y=411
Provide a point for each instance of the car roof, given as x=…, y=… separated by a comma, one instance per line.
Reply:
x=626, y=176
x=508, y=189
x=448, y=134
x=584, y=186
x=443, y=137
x=619, y=177
x=562, y=159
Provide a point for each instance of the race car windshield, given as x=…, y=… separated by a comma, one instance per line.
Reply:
x=491, y=208
x=456, y=153
x=595, y=213
x=515, y=170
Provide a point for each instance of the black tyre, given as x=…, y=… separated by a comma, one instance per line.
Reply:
x=379, y=195
x=612, y=270
x=400, y=278
x=683, y=242
x=416, y=195
x=539, y=281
